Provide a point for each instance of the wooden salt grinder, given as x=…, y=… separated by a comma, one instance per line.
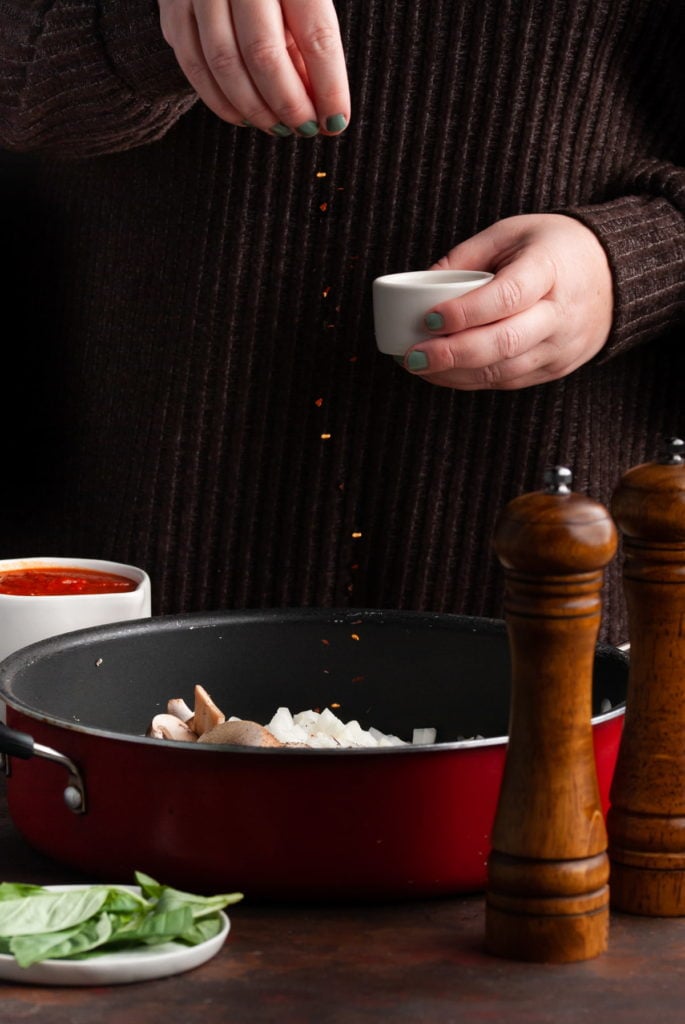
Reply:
x=547, y=895
x=646, y=822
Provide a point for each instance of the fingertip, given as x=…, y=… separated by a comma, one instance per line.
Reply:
x=434, y=321
x=334, y=124
x=416, y=361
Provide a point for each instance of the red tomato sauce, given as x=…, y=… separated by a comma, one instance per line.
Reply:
x=58, y=580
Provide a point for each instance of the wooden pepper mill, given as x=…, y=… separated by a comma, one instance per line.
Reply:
x=646, y=822
x=547, y=895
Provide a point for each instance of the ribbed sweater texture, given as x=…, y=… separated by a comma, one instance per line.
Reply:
x=193, y=384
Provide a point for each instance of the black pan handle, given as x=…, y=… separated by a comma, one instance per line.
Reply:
x=19, y=744
x=15, y=743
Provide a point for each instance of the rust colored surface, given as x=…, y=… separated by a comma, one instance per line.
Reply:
x=415, y=962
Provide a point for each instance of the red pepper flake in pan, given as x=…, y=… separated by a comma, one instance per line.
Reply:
x=326, y=643
x=326, y=291
x=357, y=679
x=354, y=636
x=323, y=207
x=318, y=402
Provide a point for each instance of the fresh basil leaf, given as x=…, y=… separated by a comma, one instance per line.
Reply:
x=50, y=911
x=15, y=890
x=29, y=949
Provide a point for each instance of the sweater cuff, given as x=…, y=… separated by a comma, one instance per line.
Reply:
x=140, y=56
x=644, y=238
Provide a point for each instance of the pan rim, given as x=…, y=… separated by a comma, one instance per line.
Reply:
x=210, y=619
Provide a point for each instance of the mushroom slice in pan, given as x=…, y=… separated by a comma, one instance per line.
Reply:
x=244, y=734
x=178, y=707
x=207, y=714
x=168, y=727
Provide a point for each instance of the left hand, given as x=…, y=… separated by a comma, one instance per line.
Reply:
x=548, y=310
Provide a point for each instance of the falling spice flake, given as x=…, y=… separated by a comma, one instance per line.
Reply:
x=357, y=679
x=326, y=291
x=354, y=636
x=335, y=705
x=326, y=643
x=323, y=207
x=318, y=402
x=325, y=437
x=356, y=534
x=321, y=174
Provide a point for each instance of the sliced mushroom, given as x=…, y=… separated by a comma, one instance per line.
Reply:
x=168, y=727
x=178, y=707
x=207, y=714
x=244, y=734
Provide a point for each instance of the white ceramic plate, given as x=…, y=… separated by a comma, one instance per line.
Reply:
x=115, y=968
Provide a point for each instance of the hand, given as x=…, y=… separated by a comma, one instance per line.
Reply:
x=547, y=311
x=277, y=65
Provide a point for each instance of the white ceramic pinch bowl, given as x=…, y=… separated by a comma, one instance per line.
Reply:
x=401, y=301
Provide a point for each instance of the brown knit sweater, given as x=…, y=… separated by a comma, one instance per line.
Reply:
x=193, y=384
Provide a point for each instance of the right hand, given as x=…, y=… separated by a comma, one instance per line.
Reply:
x=276, y=64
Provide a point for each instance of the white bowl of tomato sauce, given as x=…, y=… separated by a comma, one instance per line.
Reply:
x=46, y=596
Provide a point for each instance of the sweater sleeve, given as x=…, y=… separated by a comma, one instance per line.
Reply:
x=643, y=234
x=81, y=78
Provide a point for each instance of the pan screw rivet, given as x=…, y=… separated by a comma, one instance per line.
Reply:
x=73, y=798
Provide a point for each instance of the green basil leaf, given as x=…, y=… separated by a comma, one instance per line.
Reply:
x=29, y=949
x=50, y=911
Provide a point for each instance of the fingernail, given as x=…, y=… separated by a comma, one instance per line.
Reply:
x=281, y=130
x=434, y=321
x=336, y=123
x=308, y=129
x=417, y=361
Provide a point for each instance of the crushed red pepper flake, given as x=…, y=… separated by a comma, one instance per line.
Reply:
x=355, y=636
x=326, y=643
x=357, y=679
x=318, y=402
x=323, y=207
x=326, y=291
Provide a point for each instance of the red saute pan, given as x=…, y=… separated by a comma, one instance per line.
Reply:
x=88, y=788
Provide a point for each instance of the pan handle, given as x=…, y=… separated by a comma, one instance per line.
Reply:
x=19, y=744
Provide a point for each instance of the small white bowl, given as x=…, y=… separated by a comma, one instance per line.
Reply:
x=26, y=619
x=400, y=302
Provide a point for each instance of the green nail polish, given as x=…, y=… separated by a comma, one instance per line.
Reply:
x=281, y=130
x=434, y=321
x=308, y=129
x=417, y=361
x=336, y=123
